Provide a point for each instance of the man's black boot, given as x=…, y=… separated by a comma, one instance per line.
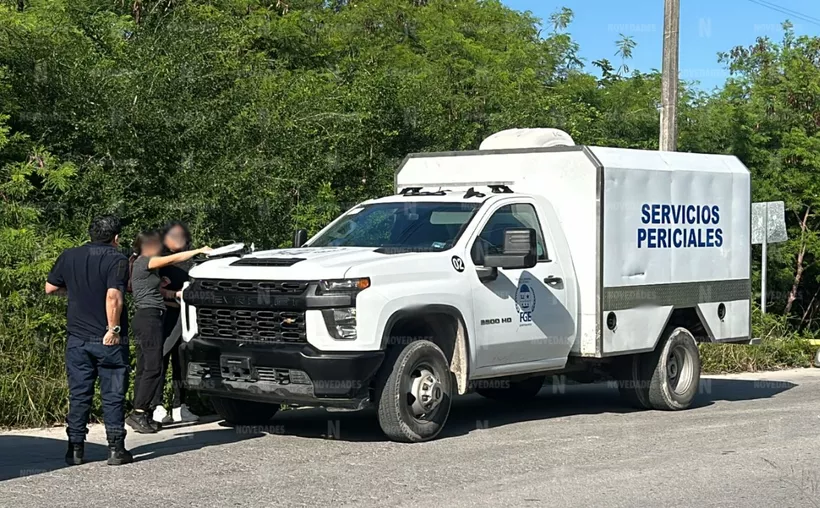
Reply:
x=74, y=455
x=140, y=423
x=118, y=455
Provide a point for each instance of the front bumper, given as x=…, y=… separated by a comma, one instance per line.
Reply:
x=282, y=373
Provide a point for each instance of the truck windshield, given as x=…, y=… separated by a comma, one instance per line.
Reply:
x=409, y=226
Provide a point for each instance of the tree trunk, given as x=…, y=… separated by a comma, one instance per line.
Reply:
x=808, y=312
x=136, y=11
x=798, y=275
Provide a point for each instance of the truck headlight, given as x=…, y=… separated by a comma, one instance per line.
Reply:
x=341, y=322
x=344, y=285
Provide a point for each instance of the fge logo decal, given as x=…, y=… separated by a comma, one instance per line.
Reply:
x=525, y=301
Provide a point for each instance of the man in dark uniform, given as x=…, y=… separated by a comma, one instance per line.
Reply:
x=94, y=277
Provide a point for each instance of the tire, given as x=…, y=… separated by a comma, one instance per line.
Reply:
x=633, y=384
x=419, y=368
x=515, y=391
x=244, y=412
x=674, y=371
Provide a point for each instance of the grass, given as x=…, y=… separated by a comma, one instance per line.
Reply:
x=34, y=389
x=780, y=348
x=770, y=354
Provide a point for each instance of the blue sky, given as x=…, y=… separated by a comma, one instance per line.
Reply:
x=706, y=27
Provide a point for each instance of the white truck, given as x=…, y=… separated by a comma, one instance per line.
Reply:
x=486, y=271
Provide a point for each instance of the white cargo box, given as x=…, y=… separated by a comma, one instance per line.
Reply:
x=649, y=232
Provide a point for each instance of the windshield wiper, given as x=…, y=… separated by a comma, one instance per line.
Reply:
x=391, y=249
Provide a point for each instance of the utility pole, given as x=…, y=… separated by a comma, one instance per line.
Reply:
x=669, y=76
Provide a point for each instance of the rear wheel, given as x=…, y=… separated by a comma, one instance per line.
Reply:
x=667, y=378
x=633, y=385
x=674, y=377
x=414, y=393
x=514, y=391
x=244, y=412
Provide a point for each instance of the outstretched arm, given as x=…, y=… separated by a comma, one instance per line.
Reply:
x=179, y=257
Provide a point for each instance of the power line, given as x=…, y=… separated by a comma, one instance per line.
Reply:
x=788, y=12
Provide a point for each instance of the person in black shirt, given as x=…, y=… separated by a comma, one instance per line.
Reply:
x=93, y=276
x=176, y=238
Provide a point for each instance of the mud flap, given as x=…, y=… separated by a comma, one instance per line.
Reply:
x=458, y=365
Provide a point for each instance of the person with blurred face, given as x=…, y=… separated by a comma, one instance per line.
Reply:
x=94, y=276
x=148, y=322
x=176, y=238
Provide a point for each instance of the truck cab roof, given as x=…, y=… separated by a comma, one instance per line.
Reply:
x=471, y=194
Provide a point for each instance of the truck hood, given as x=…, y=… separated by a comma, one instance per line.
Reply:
x=307, y=263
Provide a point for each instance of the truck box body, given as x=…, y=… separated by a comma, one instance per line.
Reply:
x=648, y=232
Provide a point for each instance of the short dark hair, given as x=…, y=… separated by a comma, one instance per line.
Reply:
x=104, y=228
x=151, y=235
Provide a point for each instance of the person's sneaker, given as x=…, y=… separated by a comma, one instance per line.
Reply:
x=74, y=455
x=161, y=415
x=140, y=423
x=118, y=455
x=183, y=414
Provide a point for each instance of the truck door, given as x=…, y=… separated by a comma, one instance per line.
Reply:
x=521, y=314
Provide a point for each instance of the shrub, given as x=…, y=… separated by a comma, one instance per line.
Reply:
x=780, y=348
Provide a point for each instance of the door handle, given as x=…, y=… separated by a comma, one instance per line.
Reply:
x=553, y=281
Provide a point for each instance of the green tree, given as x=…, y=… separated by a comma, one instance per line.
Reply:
x=773, y=99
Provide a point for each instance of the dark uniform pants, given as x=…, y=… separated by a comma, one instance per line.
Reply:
x=87, y=359
x=147, y=324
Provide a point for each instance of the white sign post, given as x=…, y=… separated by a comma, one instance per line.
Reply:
x=768, y=226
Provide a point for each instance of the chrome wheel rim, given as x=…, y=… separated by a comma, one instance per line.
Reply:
x=680, y=370
x=425, y=392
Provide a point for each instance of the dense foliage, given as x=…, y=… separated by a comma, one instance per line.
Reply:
x=249, y=118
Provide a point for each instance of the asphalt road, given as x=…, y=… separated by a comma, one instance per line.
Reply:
x=752, y=440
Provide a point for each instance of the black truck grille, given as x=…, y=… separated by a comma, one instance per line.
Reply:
x=251, y=325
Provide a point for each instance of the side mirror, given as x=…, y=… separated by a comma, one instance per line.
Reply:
x=300, y=237
x=520, y=250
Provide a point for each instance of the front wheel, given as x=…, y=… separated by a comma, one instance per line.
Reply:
x=244, y=412
x=414, y=393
